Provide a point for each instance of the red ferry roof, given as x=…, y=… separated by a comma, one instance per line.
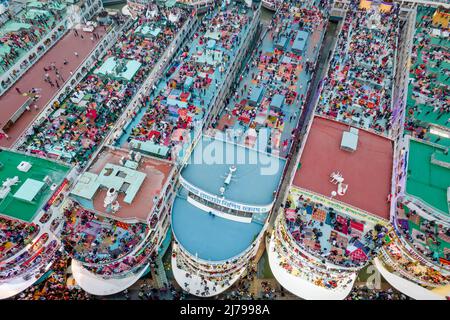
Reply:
x=367, y=171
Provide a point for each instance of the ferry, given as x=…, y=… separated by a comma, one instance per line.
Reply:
x=329, y=227
x=256, y=123
x=416, y=259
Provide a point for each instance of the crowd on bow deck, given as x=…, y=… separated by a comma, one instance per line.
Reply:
x=211, y=281
x=407, y=264
x=93, y=239
x=429, y=238
x=180, y=101
x=429, y=84
x=32, y=263
x=204, y=279
x=339, y=238
x=306, y=267
x=23, y=30
x=358, y=87
x=78, y=124
x=14, y=236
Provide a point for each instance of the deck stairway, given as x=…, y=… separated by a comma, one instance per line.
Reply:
x=159, y=276
x=259, y=218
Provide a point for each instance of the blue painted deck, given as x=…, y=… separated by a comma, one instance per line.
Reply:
x=208, y=236
x=254, y=182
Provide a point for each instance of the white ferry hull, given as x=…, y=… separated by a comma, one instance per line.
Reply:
x=300, y=287
x=95, y=285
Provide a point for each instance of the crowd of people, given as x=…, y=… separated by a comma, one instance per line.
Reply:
x=25, y=29
x=79, y=124
x=182, y=98
x=358, y=87
x=93, y=239
x=429, y=86
x=130, y=264
x=14, y=236
x=300, y=265
x=55, y=287
x=272, y=86
x=409, y=266
x=32, y=262
x=147, y=292
x=341, y=239
x=429, y=238
x=364, y=293
x=208, y=284
x=357, y=90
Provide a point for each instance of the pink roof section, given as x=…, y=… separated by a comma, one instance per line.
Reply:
x=11, y=101
x=157, y=173
x=367, y=171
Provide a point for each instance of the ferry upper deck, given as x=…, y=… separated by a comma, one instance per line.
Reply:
x=272, y=88
x=79, y=123
x=121, y=185
x=359, y=87
x=27, y=184
x=428, y=103
x=239, y=191
x=182, y=99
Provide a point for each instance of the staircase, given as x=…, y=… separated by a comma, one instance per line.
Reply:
x=259, y=218
x=159, y=276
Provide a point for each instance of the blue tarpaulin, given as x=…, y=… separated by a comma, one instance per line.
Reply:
x=277, y=101
x=256, y=95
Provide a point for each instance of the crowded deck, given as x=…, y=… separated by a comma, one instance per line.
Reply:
x=26, y=28
x=78, y=125
x=423, y=212
x=209, y=148
x=428, y=104
x=359, y=86
x=98, y=240
x=180, y=101
x=271, y=90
